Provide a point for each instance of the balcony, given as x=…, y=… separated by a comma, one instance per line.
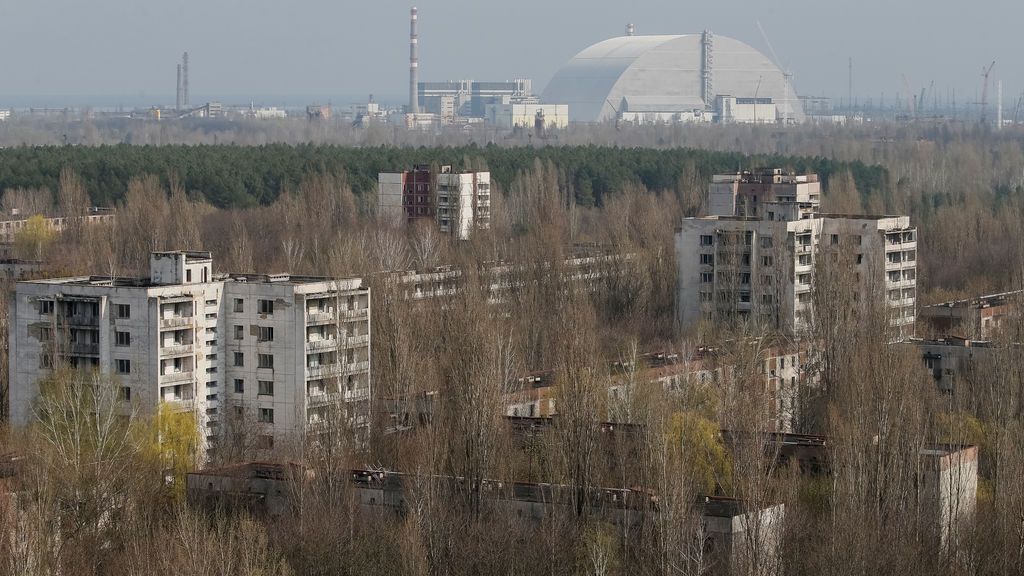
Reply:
x=84, y=349
x=177, y=350
x=325, y=344
x=176, y=377
x=324, y=371
x=335, y=370
x=80, y=320
x=319, y=317
x=183, y=405
x=322, y=398
x=357, y=340
x=911, y=283
x=358, y=313
x=176, y=322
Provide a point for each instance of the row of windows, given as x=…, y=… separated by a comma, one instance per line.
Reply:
x=264, y=387
x=263, y=333
x=124, y=311
x=262, y=360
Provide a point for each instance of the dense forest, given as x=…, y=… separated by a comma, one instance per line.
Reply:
x=237, y=177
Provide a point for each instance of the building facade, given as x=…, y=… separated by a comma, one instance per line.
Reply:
x=763, y=193
x=529, y=116
x=470, y=98
x=760, y=263
x=458, y=202
x=273, y=352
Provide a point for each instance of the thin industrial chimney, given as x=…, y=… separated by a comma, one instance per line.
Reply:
x=184, y=79
x=177, y=97
x=414, y=64
x=630, y=29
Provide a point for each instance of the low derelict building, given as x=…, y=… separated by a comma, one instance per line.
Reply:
x=976, y=318
x=278, y=351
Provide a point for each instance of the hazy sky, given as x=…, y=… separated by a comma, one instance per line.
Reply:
x=344, y=47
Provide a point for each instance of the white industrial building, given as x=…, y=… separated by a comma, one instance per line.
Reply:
x=733, y=110
x=669, y=77
x=459, y=202
x=759, y=261
x=510, y=116
x=276, y=352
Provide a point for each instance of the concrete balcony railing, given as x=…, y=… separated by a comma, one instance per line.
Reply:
x=80, y=320
x=324, y=371
x=174, y=377
x=357, y=340
x=175, y=322
x=325, y=344
x=84, y=349
x=177, y=350
x=891, y=284
x=322, y=398
x=335, y=370
x=353, y=314
x=901, y=303
x=889, y=265
x=183, y=405
x=319, y=317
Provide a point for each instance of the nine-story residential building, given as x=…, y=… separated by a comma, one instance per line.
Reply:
x=280, y=353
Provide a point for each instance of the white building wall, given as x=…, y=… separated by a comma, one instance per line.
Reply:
x=509, y=116
x=389, y=196
x=203, y=317
x=790, y=262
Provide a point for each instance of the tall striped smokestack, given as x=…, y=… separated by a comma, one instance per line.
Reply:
x=177, y=99
x=414, y=65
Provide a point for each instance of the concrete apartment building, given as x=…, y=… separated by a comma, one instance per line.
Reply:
x=459, y=202
x=274, y=351
x=755, y=256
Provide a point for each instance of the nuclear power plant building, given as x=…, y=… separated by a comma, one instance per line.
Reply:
x=692, y=77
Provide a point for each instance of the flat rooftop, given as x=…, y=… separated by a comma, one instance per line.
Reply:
x=985, y=301
x=142, y=282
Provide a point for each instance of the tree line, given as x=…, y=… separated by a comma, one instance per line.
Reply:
x=229, y=176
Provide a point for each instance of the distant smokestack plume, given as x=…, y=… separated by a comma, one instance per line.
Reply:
x=184, y=80
x=177, y=97
x=630, y=29
x=414, y=65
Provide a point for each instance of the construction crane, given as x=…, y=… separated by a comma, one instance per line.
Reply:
x=787, y=75
x=984, y=92
x=909, y=97
x=1016, y=111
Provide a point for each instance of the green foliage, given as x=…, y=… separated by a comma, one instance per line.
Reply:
x=32, y=241
x=698, y=448
x=170, y=439
x=239, y=176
